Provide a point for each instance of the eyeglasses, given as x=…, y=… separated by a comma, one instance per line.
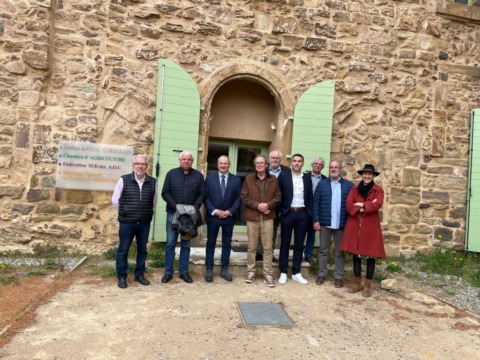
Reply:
x=275, y=158
x=140, y=164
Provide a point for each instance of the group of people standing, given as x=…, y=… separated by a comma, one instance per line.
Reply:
x=274, y=196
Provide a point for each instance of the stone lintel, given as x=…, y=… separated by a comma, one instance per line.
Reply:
x=458, y=11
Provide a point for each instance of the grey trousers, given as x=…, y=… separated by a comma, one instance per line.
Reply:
x=326, y=235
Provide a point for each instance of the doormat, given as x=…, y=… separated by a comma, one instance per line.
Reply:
x=263, y=313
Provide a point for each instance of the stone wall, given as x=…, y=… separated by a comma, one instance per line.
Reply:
x=406, y=72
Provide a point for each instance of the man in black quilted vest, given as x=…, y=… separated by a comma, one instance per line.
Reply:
x=135, y=197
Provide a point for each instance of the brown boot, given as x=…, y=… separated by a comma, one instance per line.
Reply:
x=356, y=286
x=367, y=291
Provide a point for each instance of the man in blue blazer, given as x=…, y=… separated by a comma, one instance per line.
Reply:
x=222, y=201
x=295, y=208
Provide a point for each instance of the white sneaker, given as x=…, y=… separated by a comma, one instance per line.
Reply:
x=283, y=279
x=299, y=278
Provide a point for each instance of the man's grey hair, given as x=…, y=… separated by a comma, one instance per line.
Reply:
x=281, y=155
x=224, y=156
x=339, y=163
x=140, y=156
x=260, y=156
x=185, y=153
x=318, y=158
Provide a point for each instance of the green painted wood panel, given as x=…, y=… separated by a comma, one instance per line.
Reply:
x=473, y=205
x=312, y=123
x=312, y=126
x=176, y=129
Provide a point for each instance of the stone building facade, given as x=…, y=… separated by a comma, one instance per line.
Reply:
x=406, y=79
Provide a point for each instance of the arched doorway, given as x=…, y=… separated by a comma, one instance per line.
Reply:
x=243, y=110
x=243, y=122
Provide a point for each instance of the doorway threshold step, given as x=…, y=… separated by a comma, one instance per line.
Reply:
x=237, y=258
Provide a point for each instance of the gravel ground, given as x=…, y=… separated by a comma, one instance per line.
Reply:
x=202, y=321
x=451, y=288
x=66, y=263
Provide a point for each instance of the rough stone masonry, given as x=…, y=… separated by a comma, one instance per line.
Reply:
x=407, y=76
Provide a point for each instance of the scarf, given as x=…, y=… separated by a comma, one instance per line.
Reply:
x=364, y=189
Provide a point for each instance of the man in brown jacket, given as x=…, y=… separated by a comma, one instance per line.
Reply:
x=261, y=195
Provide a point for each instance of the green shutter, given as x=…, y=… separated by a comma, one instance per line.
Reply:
x=473, y=205
x=312, y=126
x=312, y=123
x=176, y=129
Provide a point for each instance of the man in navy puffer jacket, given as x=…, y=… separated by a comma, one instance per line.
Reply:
x=329, y=217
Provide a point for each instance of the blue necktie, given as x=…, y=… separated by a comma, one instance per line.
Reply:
x=222, y=186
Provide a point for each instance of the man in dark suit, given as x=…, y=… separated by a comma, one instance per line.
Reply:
x=222, y=201
x=295, y=206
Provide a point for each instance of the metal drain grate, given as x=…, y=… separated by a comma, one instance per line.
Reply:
x=261, y=313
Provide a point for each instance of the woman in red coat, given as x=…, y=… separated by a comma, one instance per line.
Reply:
x=363, y=235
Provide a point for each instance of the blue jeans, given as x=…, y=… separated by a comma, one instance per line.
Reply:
x=212, y=234
x=126, y=233
x=310, y=242
x=172, y=237
x=296, y=222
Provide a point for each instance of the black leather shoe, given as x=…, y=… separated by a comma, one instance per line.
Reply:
x=226, y=275
x=310, y=260
x=142, y=280
x=166, y=278
x=122, y=283
x=186, y=277
x=208, y=276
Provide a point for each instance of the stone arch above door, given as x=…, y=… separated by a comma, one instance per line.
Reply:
x=251, y=72
x=262, y=76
